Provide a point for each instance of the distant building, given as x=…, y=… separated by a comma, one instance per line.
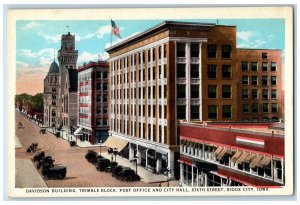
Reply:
x=183, y=71
x=231, y=155
x=68, y=78
x=260, y=95
x=93, y=101
x=51, y=87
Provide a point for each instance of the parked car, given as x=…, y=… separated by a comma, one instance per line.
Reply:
x=72, y=143
x=129, y=175
x=120, y=173
x=45, y=160
x=111, y=166
x=115, y=171
x=57, y=172
x=38, y=156
x=102, y=164
x=91, y=156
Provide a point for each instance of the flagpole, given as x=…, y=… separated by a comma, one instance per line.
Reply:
x=110, y=32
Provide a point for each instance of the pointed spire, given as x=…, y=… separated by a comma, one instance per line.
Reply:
x=54, y=55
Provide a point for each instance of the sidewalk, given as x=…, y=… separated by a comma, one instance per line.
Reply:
x=146, y=175
x=17, y=143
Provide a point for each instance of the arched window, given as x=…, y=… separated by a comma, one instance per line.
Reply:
x=53, y=113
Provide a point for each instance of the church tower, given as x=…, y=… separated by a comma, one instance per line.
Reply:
x=67, y=57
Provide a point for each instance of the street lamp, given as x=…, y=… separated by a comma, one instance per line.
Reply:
x=100, y=142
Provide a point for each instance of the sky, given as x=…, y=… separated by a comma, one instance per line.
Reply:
x=39, y=41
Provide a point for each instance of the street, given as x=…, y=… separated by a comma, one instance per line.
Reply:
x=80, y=173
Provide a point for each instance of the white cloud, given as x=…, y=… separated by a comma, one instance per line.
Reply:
x=103, y=30
x=22, y=64
x=44, y=56
x=87, y=36
x=86, y=57
x=50, y=38
x=246, y=35
x=31, y=25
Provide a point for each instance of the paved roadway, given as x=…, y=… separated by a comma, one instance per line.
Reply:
x=80, y=173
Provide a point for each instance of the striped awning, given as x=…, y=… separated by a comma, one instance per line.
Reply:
x=250, y=157
x=222, y=153
x=218, y=150
x=255, y=162
x=78, y=131
x=236, y=156
x=115, y=143
x=265, y=161
x=243, y=157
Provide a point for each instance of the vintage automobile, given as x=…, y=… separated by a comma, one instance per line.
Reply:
x=116, y=170
x=32, y=147
x=45, y=160
x=129, y=175
x=38, y=156
x=72, y=143
x=91, y=156
x=111, y=166
x=102, y=164
x=57, y=172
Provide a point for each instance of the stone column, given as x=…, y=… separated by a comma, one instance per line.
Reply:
x=200, y=77
x=188, y=80
x=131, y=151
x=171, y=164
x=181, y=174
x=139, y=154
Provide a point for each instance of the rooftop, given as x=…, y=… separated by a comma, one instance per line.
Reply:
x=270, y=128
x=161, y=26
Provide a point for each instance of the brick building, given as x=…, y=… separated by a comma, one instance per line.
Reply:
x=231, y=155
x=93, y=101
x=260, y=80
x=173, y=71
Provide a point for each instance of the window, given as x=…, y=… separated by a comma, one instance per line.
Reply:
x=245, y=94
x=266, y=119
x=194, y=91
x=104, y=86
x=265, y=107
x=98, y=110
x=212, y=91
x=274, y=94
x=254, y=94
x=264, y=66
x=265, y=94
x=180, y=49
x=245, y=66
x=226, y=111
x=273, y=66
x=254, y=80
x=273, y=80
x=245, y=80
x=105, y=74
x=98, y=86
x=195, y=50
x=54, y=90
x=226, y=71
x=195, y=112
x=194, y=71
x=254, y=107
x=165, y=50
x=212, y=112
x=153, y=54
x=274, y=108
x=254, y=66
x=104, y=121
x=278, y=174
x=245, y=108
x=265, y=80
x=99, y=98
x=98, y=122
x=105, y=98
x=212, y=71
x=226, y=51
x=180, y=70
x=264, y=55
x=105, y=110
x=181, y=111
x=211, y=51
x=180, y=91
x=226, y=91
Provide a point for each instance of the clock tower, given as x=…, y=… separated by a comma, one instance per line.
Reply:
x=67, y=57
